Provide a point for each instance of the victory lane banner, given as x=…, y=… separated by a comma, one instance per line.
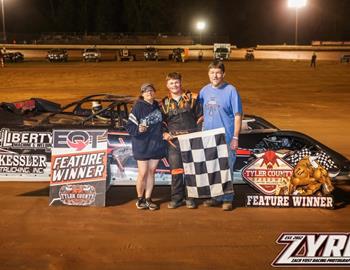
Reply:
x=78, y=168
x=306, y=184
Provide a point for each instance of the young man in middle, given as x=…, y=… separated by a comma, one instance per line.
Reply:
x=182, y=114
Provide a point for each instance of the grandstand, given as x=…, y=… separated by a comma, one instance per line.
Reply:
x=114, y=39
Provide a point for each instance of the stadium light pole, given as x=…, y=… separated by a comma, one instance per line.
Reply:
x=200, y=27
x=296, y=4
x=3, y=21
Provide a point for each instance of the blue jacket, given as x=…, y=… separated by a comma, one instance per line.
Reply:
x=150, y=144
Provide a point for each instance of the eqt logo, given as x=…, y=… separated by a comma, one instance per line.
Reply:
x=77, y=139
x=314, y=249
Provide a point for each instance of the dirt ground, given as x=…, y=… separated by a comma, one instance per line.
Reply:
x=289, y=94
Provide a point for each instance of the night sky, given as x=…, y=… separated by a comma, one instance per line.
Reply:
x=244, y=22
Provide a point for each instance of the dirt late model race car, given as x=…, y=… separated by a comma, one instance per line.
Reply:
x=265, y=152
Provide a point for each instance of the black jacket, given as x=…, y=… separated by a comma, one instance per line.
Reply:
x=182, y=116
x=149, y=144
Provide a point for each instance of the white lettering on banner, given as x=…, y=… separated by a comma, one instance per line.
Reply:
x=76, y=167
x=277, y=201
x=78, y=160
x=22, y=160
x=269, y=173
x=78, y=173
x=25, y=170
x=312, y=201
x=289, y=201
x=78, y=196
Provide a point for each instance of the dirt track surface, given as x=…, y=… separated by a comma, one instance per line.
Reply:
x=289, y=94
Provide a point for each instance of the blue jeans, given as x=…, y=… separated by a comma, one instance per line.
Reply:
x=231, y=162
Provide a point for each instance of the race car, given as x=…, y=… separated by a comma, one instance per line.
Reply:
x=26, y=130
x=150, y=54
x=13, y=57
x=57, y=55
x=91, y=54
x=177, y=55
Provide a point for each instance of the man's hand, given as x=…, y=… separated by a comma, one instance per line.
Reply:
x=167, y=136
x=234, y=144
x=200, y=120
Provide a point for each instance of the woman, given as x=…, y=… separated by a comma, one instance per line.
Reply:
x=144, y=126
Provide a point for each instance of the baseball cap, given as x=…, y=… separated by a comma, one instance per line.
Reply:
x=145, y=86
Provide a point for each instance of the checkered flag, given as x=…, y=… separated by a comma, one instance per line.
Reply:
x=321, y=157
x=297, y=156
x=205, y=161
x=325, y=161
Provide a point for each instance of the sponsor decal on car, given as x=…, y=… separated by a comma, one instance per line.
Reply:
x=13, y=163
x=79, y=139
x=314, y=249
x=25, y=139
x=78, y=166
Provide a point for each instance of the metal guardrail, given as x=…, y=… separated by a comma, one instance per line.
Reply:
x=105, y=47
x=302, y=48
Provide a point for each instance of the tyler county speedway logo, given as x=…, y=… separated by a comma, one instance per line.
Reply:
x=267, y=172
x=314, y=249
x=77, y=194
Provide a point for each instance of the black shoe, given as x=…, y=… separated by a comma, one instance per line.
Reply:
x=190, y=204
x=151, y=205
x=174, y=204
x=141, y=204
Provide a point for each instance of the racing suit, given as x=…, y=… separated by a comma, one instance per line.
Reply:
x=180, y=117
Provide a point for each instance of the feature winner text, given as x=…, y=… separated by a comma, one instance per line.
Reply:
x=87, y=166
x=258, y=200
